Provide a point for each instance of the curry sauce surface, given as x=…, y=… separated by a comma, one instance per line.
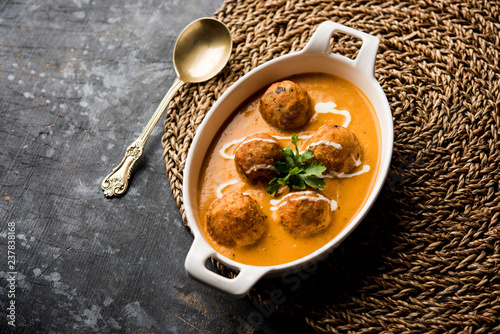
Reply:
x=278, y=246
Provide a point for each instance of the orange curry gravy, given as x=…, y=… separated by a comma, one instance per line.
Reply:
x=278, y=246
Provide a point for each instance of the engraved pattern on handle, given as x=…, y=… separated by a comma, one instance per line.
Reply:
x=116, y=183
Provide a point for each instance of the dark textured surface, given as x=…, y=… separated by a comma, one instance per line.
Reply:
x=78, y=81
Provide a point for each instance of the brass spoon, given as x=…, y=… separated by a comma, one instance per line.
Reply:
x=201, y=52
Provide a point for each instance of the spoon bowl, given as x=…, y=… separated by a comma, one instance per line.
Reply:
x=202, y=50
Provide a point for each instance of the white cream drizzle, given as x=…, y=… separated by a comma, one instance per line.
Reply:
x=357, y=162
x=365, y=169
x=258, y=167
x=224, y=185
x=227, y=146
x=329, y=107
x=277, y=203
x=258, y=139
x=326, y=142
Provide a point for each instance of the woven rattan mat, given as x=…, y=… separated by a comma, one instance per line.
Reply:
x=427, y=257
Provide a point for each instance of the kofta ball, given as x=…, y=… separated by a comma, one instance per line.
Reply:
x=285, y=105
x=236, y=219
x=255, y=157
x=304, y=213
x=337, y=148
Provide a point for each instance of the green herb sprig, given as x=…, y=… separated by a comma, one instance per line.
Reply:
x=296, y=171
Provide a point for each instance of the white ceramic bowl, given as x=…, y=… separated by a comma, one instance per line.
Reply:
x=315, y=57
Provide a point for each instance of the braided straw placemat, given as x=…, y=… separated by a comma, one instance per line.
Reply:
x=427, y=257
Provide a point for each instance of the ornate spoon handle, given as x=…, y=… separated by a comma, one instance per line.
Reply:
x=116, y=183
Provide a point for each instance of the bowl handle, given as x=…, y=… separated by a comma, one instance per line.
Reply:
x=238, y=287
x=320, y=44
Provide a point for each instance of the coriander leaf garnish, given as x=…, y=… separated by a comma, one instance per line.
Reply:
x=296, y=171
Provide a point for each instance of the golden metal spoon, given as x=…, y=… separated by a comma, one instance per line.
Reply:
x=201, y=52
